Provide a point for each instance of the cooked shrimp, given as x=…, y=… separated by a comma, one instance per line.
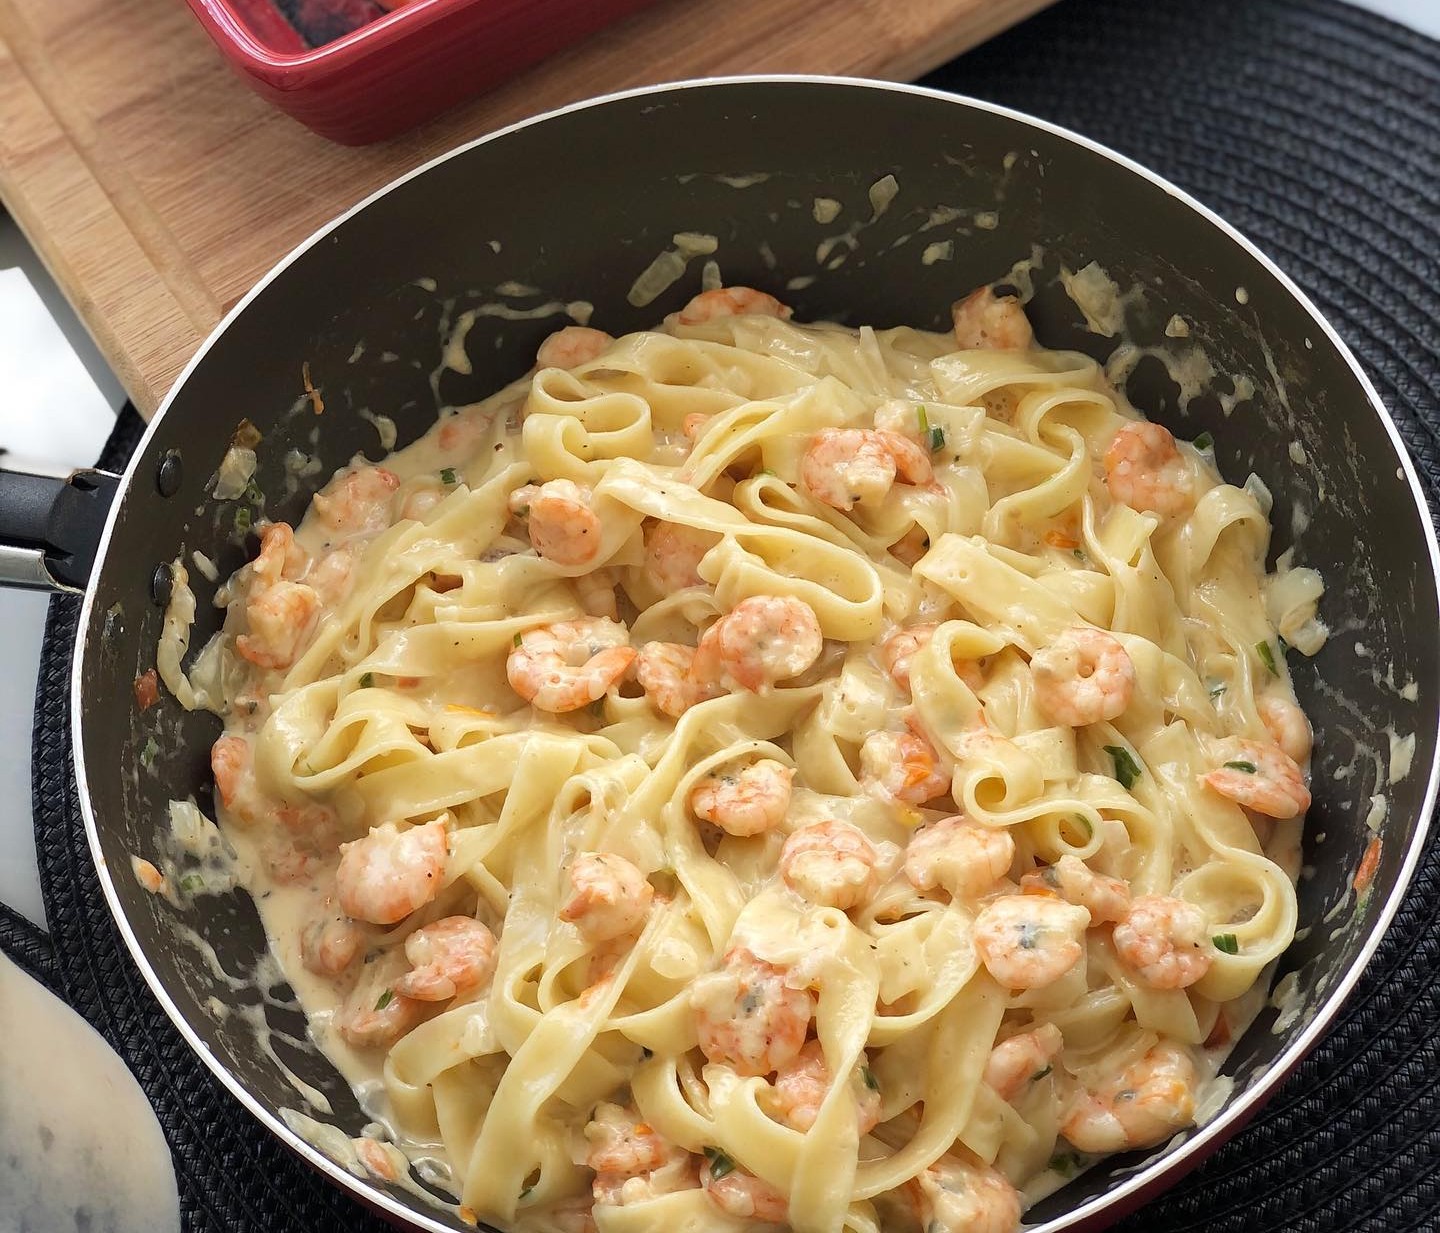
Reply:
x=230, y=763
x=664, y=670
x=761, y=640
x=803, y=1083
x=985, y=321
x=830, y=863
x=1287, y=725
x=1019, y=1060
x=901, y=417
x=960, y=856
x=279, y=557
x=619, y=1142
x=447, y=958
x=331, y=943
x=747, y=1015
x=1084, y=677
x=1260, y=777
x=596, y=592
x=901, y=647
x=1141, y=1106
x=743, y=1195
x=609, y=896
x=1145, y=471
x=280, y=618
x=572, y=346
x=732, y=302
x=385, y=876
x=358, y=500
x=331, y=575
x=1105, y=898
x=672, y=555
x=562, y=667
x=846, y=467
x=563, y=527
x=902, y=766
x=1165, y=941
x=1028, y=941
x=366, y=1019
x=420, y=501
x=965, y=1196
x=747, y=800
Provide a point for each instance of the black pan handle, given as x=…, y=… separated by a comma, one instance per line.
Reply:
x=50, y=527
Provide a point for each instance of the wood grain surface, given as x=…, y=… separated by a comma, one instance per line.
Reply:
x=157, y=188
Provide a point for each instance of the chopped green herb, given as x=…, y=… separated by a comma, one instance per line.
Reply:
x=1362, y=900
x=526, y=1193
x=1217, y=689
x=720, y=1164
x=242, y=520
x=1267, y=656
x=1067, y=1164
x=870, y=1080
x=1204, y=442
x=253, y=494
x=1040, y=1074
x=517, y=639
x=766, y=471
x=1084, y=824
x=447, y=476
x=1247, y=767
x=1078, y=553
x=367, y=679
x=149, y=753
x=191, y=883
x=385, y=999
x=937, y=439
x=1227, y=943
x=1127, y=770
x=924, y=420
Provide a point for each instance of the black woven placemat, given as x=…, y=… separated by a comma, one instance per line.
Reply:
x=1313, y=128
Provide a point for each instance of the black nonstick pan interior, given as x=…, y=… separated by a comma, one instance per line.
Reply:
x=572, y=209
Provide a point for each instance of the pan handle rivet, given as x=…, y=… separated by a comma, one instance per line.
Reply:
x=160, y=583
x=169, y=473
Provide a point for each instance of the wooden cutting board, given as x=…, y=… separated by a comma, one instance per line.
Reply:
x=157, y=188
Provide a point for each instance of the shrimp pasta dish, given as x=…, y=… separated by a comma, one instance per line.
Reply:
x=750, y=774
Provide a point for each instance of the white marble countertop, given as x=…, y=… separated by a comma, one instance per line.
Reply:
x=58, y=405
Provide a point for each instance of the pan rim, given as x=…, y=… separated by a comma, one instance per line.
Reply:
x=1147, y=1180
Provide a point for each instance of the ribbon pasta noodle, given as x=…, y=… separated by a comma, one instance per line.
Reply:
x=752, y=774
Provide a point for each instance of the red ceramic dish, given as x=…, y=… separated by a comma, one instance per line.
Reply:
x=401, y=68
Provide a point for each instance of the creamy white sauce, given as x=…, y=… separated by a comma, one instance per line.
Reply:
x=744, y=181
x=1402, y=748
x=667, y=268
x=1098, y=298
x=82, y=1148
x=1378, y=809
x=940, y=250
x=882, y=193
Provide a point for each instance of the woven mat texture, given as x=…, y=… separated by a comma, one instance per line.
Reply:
x=1314, y=128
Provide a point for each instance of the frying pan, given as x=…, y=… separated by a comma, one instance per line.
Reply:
x=572, y=207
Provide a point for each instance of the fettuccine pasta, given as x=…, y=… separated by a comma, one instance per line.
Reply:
x=753, y=774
